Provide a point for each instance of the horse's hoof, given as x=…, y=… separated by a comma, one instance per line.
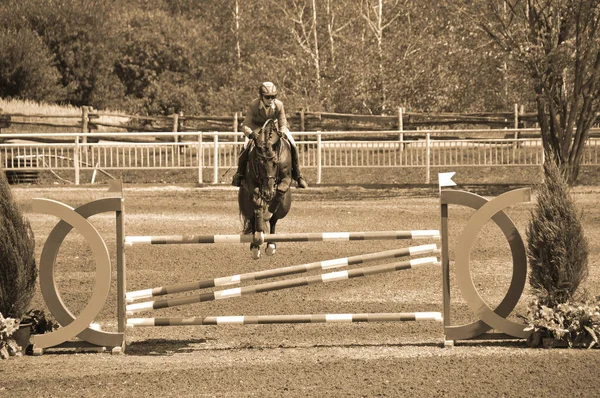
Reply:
x=270, y=249
x=255, y=253
x=259, y=238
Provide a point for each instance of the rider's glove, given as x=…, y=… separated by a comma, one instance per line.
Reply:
x=247, y=131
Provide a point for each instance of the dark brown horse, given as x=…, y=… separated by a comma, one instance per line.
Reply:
x=265, y=192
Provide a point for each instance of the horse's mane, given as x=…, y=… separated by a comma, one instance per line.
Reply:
x=269, y=133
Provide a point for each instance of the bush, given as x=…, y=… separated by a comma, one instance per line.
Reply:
x=8, y=346
x=557, y=249
x=577, y=324
x=18, y=271
x=40, y=322
x=26, y=68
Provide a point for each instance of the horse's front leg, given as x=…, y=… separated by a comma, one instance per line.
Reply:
x=259, y=235
x=271, y=212
x=271, y=246
x=280, y=192
x=259, y=223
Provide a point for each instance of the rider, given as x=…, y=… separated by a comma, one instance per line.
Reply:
x=258, y=112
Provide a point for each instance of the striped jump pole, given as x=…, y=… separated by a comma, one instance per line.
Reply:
x=273, y=273
x=279, y=285
x=278, y=319
x=298, y=237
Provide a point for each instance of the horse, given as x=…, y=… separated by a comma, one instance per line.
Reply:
x=265, y=192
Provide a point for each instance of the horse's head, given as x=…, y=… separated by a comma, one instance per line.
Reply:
x=267, y=159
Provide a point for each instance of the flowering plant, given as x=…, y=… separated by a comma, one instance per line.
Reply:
x=8, y=346
x=577, y=324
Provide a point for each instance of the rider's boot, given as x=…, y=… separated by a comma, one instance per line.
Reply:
x=296, y=173
x=239, y=175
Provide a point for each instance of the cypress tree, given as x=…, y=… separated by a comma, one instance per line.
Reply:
x=557, y=248
x=18, y=271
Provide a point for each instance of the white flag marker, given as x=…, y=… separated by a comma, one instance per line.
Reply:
x=445, y=179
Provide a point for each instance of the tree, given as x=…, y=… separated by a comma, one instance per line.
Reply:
x=81, y=36
x=18, y=271
x=556, y=246
x=334, y=28
x=236, y=32
x=374, y=17
x=557, y=43
x=26, y=69
x=303, y=28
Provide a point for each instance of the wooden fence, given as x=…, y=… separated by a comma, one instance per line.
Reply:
x=95, y=121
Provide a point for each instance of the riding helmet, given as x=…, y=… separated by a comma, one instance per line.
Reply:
x=267, y=88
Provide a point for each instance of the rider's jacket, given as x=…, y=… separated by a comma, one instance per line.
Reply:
x=257, y=114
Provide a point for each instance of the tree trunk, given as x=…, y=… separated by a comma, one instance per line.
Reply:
x=316, y=51
x=238, y=51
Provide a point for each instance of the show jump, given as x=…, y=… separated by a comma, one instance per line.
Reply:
x=76, y=331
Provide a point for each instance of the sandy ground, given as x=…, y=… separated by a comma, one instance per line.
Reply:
x=367, y=359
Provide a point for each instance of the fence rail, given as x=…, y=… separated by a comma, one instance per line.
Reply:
x=317, y=150
x=89, y=119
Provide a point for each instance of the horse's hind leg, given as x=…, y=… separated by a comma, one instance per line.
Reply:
x=271, y=246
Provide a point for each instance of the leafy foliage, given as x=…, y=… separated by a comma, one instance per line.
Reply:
x=18, y=271
x=26, y=69
x=79, y=36
x=166, y=56
x=557, y=248
x=577, y=324
x=8, y=346
x=40, y=323
x=556, y=42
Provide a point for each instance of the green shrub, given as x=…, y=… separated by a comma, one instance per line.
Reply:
x=577, y=324
x=26, y=67
x=557, y=248
x=40, y=322
x=18, y=271
x=8, y=346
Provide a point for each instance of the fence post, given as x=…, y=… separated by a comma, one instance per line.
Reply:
x=200, y=159
x=428, y=158
x=516, y=122
x=301, y=119
x=521, y=114
x=319, y=149
x=4, y=122
x=85, y=118
x=401, y=127
x=175, y=129
x=76, y=160
x=216, y=159
x=235, y=126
